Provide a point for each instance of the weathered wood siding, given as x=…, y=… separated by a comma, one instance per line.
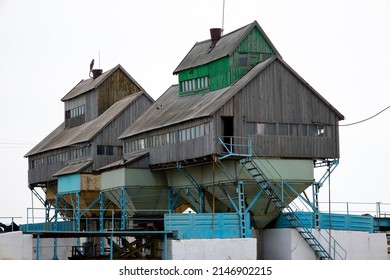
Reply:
x=114, y=88
x=44, y=173
x=257, y=49
x=91, y=111
x=178, y=151
x=277, y=96
x=110, y=135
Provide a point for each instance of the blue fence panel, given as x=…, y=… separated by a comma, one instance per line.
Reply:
x=61, y=226
x=206, y=225
x=336, y=221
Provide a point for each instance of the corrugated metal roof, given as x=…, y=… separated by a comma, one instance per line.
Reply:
x=74, y=168
x=171, y=108
x=129, y=158
x=86, y=85
x=85, y=132
x=203, y=53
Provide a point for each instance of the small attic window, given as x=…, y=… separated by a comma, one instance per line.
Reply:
x=195, y=84
x=243, y=59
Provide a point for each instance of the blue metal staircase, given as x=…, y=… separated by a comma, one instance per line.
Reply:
x=277, y=195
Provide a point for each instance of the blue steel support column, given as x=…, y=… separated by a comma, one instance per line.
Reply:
x=78, y=216
x=165, y=246
x=55, y=256
x=101, y=221
x=123, y=207
x=241, y=208
x=38, y=246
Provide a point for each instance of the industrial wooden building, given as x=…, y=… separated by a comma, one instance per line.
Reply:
x=236, y=85
x=236, y=140
x=96, y=111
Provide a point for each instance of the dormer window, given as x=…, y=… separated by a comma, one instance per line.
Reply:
x=72, y=113
x=194, y=84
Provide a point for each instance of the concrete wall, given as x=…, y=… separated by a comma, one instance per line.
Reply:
x=19, y=246
x=212, y=249
x=287, y=244
x=16, y=246
x=64, y=248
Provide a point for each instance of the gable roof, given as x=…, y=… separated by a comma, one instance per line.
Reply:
x=171, y=108
x=87, y=85
x=200, y=53
x=75, y=167
x=62, y=137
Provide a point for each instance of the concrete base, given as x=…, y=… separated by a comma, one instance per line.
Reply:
x=212, y=249
x=287, y=244
x=64, y=248
x=18, y=246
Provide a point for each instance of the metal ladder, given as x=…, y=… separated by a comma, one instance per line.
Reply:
x=241, y=209
x=277, y=198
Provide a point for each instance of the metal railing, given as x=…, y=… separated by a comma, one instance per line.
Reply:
x=375, y=209
x=295, y=202
x=235, y=146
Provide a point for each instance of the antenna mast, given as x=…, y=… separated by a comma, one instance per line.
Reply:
x=99, y=59
x=223, y=15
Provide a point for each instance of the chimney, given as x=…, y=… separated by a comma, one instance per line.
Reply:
x=96, y=73
x=216, y=34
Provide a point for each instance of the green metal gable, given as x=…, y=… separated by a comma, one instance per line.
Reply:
x=256, y=47
x=227, y=70
x=218, y=73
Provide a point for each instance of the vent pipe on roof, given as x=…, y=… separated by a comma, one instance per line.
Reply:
x=216, y=34
x=95, y=72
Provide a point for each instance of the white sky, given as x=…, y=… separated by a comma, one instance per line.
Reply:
x=341, y=48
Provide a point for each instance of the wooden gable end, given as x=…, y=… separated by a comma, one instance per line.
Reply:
x=254, y=48
x=283, y=115
x=116, y=87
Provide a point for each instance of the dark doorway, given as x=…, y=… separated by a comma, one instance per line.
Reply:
x=227, y=133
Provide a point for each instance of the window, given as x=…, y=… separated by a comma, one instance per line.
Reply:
x=242, y=59
x=293, y=130
x=81, y=152
x=105, y=150
x=288, y=129
x=283, y=129
x=195, y=84
x=72, y=113
x=320, y=130
x=37, y=163
x=270, y=129
x=250, y=127
x=193, y=132
x=61, y=157
x=260, y=128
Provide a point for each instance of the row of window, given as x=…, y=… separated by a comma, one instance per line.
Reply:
x=250, y=59
x=167, y=138
x=290, y=129
x=81, y=152
x=74, y=154
x=194, y=84
x=78, y=111
x=61, y=157
x=37, y=163
x=193, y=132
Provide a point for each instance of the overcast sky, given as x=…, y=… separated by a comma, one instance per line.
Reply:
x=341, y=48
